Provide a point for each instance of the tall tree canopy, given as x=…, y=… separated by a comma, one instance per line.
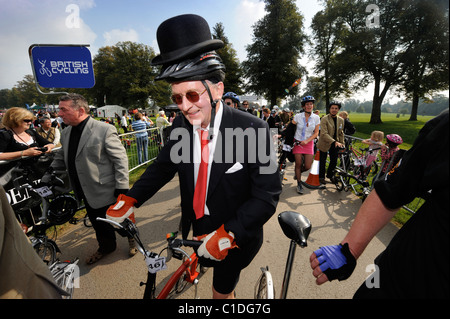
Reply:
x=376, y=48
x=273, y=58
x=427, y=29
x=233, y=81
x=124, y=75
x=328, y=31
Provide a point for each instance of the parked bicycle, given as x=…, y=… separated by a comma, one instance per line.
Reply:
x=40, y=204
x=188, y=273
x=353, y=173
x=297, y=228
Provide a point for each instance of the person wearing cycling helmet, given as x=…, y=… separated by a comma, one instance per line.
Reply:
x=227, y=193
x=307, y=130
x=389, y=149
x=231, y=99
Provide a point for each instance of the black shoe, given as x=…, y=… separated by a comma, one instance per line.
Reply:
x=322, y=181
x=300, y=189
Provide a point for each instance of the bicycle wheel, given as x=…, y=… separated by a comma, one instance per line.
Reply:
x=264, y=286
x=339, y=182
x=46, y=251
x=87, y=221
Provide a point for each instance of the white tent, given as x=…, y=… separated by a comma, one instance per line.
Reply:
x=110, y=110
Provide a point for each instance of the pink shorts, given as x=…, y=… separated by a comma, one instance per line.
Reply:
x=304, y=149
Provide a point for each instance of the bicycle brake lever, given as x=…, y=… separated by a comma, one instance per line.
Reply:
x=182, y=252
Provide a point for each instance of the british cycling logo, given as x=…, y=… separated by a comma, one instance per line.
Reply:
x=44, y=70
x=63, y=67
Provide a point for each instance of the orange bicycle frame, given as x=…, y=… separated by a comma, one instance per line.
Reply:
x=188, y=269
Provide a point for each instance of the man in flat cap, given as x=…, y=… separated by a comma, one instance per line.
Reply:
x=228, y=176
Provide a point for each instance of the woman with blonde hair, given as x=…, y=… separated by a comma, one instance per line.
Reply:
x=17, y=140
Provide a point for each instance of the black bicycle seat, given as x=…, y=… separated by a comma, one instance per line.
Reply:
x=295, y=226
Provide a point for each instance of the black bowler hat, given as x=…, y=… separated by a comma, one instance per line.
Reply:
x=183, y=37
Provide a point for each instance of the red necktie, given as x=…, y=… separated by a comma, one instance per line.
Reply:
x=202, y=178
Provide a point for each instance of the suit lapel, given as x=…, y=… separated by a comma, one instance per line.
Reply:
x=87, y=131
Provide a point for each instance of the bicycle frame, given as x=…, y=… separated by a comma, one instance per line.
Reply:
x=188, y=268
x=297, y=228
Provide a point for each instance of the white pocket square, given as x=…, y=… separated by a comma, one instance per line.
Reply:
x=236, y=167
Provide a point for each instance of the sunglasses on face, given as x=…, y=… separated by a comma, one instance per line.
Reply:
x=28, y=121
x=191, y=96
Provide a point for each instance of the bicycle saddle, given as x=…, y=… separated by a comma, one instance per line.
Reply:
x=295, y=226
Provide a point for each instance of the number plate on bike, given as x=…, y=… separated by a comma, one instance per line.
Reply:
x=155, y=264
x=43, y=191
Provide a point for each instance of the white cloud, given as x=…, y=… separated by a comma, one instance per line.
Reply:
x=247, y=13
x=117, y=35
x=24, y=23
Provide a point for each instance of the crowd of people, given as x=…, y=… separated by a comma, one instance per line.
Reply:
x=227, y=203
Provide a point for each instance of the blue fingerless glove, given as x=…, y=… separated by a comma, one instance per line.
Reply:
x=337, y=262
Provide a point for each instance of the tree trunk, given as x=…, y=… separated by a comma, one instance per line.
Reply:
x=378, y=98
x=375, y=118
x=414, y=108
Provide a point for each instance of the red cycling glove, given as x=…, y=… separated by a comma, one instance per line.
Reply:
x=215, y=246
x=123, y=208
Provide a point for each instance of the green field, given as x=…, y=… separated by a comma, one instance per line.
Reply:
x=391, y=124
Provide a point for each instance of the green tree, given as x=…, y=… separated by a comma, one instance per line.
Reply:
x=427, y=30
x=328, y=30
x=374, y=48
x=125, y=77
x=233, y=80
x=272, y=59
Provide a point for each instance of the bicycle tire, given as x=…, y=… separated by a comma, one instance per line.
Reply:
x=339, y=182
x=46, y=251
x=180, y=285
x=87, y=221
x=264, y=286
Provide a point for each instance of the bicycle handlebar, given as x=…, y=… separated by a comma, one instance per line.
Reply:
x=173, y=242
x=110, y=222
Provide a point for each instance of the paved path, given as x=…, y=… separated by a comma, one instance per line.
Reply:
x=330, y=212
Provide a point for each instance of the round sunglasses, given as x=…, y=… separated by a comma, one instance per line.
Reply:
x=191, y=96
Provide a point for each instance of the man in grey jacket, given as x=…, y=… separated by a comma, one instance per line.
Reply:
x=97, y=164
x=331, y=138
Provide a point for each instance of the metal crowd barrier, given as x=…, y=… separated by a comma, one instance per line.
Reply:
x=148, y=151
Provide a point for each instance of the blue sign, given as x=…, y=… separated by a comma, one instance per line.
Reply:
x=62, y=66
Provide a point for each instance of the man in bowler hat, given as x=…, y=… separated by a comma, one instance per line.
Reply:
x=228, y=191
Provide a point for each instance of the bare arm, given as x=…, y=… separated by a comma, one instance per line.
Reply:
x=371, y=218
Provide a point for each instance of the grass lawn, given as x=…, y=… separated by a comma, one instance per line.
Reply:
x=391, y=124
x=408, y=130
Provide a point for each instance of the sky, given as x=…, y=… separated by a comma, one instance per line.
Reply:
x=99, y=23
x=106, y=22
